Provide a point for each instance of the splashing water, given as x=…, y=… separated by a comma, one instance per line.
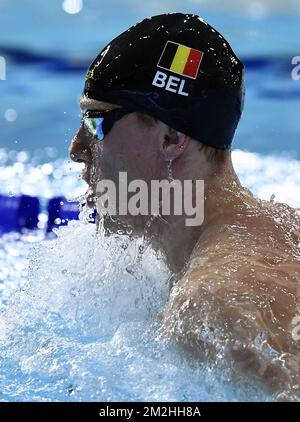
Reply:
x=84, y=323
x=84, y=327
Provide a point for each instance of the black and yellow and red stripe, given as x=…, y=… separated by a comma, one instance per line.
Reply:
x=180, y=59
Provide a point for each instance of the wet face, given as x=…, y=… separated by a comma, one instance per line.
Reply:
x=130, y=146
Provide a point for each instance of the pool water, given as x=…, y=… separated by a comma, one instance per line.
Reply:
x=82, y=323
x=80, y=314
x=85, y=326
x=46, y=65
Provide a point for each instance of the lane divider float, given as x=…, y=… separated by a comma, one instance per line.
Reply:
x=19, y=213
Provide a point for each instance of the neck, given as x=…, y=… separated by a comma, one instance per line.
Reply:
x=170, y=235
x=222, y=200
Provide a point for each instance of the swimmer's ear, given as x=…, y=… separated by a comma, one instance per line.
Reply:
x=173, y=144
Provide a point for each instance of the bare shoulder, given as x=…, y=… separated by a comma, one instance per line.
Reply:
x=251, y=249
x=240, y=292
x=248, y=267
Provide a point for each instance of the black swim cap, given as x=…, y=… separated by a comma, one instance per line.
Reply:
x=178, y=69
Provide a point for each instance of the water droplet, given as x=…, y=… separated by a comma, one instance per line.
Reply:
x=11, y=115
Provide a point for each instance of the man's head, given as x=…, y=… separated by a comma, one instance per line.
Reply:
x=182, y=86
x=178, y=69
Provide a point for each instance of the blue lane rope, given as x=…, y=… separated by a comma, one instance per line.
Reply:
x=279, y=64
x=19, y=213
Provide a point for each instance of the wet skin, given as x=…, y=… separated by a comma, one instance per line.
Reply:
x=242, y=286
x=236, y=278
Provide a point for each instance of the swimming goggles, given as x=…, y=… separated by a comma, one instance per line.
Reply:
x=99, y=122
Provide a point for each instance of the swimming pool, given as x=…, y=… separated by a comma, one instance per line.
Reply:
x=80, y=322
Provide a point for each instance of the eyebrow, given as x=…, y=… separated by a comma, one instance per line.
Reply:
x=86, y=103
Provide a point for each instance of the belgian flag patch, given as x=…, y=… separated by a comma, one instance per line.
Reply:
x=180, y=59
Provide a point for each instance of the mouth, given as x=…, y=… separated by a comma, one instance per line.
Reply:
x=90, y=195
x=86, y=174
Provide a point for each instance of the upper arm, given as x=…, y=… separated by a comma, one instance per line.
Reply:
x=234, y=300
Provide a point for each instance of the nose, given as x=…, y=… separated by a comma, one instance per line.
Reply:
x=79, y=149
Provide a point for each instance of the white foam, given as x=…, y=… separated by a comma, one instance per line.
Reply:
x=84, y=327
x=268, y=175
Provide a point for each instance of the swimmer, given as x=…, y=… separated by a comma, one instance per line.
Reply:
x=162, y=101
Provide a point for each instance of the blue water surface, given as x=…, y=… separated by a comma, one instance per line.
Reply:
x=79, y=314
